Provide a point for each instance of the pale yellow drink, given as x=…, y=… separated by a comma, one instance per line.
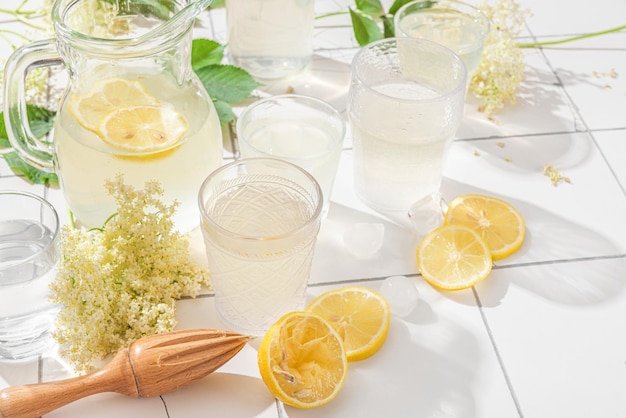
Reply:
x=270, y=38
x=86, y=160
x=457, y=25
x=405, y=106
x=260, y=219
x=302, y=130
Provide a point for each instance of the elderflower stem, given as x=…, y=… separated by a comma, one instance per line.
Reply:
x=573, y=38
x=330, y=15
x=24, y=16
x=11, y=32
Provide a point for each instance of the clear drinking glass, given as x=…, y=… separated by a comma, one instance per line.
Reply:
x=303, y=130
x=29, y=228
x=457, y=25
x=260, y=219
x=270, y=38
x=405, y=106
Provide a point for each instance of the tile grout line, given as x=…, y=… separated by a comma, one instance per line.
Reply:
x=167, y=412
x=576, y=112
x=507, y=379
x=381, y=278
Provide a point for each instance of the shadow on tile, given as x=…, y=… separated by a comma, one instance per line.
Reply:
x=222, y=395
x=441, y=378
x=398, y=248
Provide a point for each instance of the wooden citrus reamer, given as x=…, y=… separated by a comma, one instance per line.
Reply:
x=151, y=366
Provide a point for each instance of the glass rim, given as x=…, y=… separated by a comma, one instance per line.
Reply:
x=55, y=217
x=159, y=37
x=460, y=86
x=315, y=216
x=342, y=128
x=442, y=4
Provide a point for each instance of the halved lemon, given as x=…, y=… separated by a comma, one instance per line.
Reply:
x=143, y=128
x=360, y=316
x=498, y=223
x=453, y=257
x=302, y=360
x=106, y=96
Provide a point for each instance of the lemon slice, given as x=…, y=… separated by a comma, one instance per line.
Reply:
x=143, y=128
x=359, y=315
x=302, y=360
x=106, y=96
x=499, y=224
x=453, y=257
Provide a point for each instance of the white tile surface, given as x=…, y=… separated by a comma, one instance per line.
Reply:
x=543, y=336
x=556, y=329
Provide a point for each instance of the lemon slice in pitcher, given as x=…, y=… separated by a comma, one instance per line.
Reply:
x=106, y=96
x=143, y=128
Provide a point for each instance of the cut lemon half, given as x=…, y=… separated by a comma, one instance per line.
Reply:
x=106, y=96
x=453, y=257
x=498, y=223
x=359, y=315
x=143, y=128
x=302, y=360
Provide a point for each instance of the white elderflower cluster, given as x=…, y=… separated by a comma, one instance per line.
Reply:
x=501, y=69
x=120, y=282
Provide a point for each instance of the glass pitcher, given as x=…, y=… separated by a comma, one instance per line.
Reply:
x=133, y=105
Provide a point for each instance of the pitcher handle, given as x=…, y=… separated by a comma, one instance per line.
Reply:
x=30, y=148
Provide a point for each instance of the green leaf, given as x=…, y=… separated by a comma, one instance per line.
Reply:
x=365, y=28
x=205, y=52
x=162, y=9
x=40, y=120
x=389, y=27
x=224, y=111
x=399, y=3
x=371, y=7
x=226, y=82
x=33, y=174
x=4, y=138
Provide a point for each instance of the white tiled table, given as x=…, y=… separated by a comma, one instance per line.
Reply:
x=544, y=335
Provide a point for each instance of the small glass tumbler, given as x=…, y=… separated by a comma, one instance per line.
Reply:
x=270, y=39
x=29, y=229
x=260, y=218
x=300, y=129
x=457, y=25
x=405, y=105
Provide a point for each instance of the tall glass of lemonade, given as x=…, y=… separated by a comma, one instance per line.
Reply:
x=133, y=105
x=405, y=106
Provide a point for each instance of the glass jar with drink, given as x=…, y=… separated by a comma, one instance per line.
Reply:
x=133, y=105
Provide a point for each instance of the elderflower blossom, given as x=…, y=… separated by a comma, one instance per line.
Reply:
x=501, y=69
x=119, y=283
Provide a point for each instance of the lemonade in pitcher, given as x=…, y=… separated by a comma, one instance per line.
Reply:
x=133, y=105
x=144, y=127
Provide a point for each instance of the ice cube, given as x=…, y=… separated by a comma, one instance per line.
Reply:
x=401, y=293
x=364, y=239
x=427, y=214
